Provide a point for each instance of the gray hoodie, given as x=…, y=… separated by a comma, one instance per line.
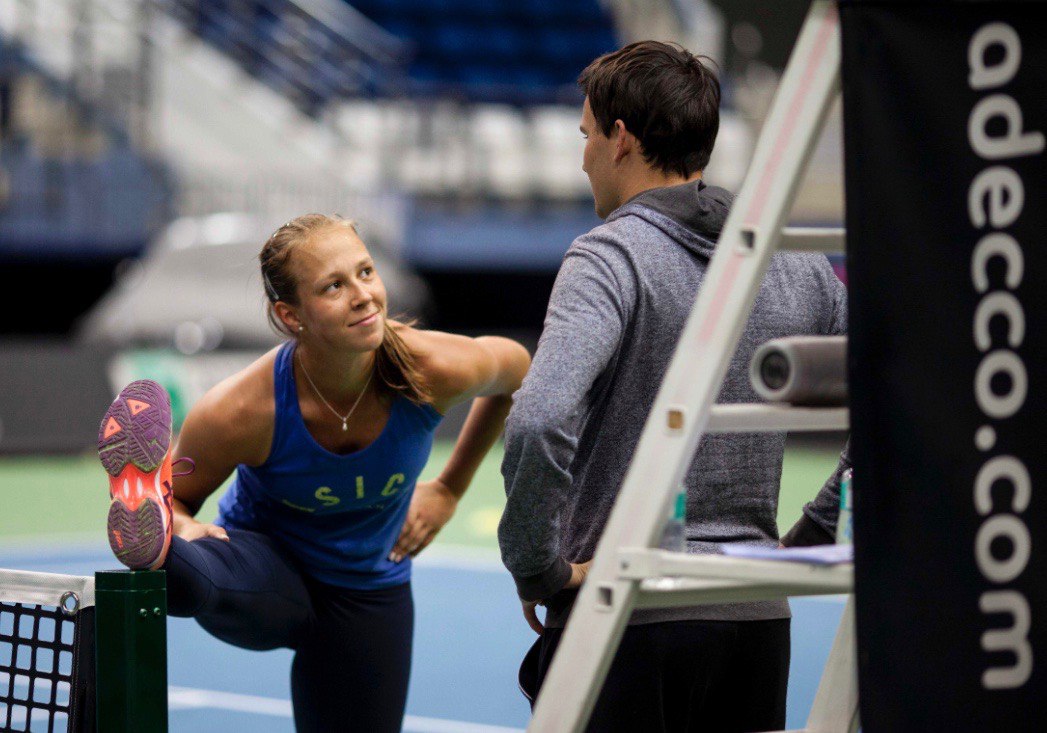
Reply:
x=617, y=309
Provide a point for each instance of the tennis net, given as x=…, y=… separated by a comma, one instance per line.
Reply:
x=47, y=662
x=80, y=654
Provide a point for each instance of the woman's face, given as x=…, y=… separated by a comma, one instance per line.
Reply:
x=341, y=299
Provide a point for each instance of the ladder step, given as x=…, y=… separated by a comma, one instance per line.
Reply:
x=813, y=239
x=761, y=418
x=672, y=579
x=641, y=563
x=683, y=592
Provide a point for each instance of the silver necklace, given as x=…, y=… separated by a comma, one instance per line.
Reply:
x=343, y=418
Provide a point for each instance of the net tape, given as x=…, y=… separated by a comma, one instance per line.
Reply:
x=45, y=589
x=46, y=652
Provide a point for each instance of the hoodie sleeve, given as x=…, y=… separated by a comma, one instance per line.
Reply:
x=837, y=305
x=817, y=525
x=590, y=304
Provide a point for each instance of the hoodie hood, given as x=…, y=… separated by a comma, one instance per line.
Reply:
x=692, y=214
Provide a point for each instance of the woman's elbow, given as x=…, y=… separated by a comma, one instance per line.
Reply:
x=521, y=362
x=512, y=360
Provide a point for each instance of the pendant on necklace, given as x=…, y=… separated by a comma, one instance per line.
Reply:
x=345, y=427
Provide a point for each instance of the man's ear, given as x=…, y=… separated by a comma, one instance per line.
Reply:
x=624, y=141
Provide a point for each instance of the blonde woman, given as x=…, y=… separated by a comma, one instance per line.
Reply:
x=327, y=435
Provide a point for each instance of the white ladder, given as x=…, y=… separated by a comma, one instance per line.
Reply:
x=628, y=572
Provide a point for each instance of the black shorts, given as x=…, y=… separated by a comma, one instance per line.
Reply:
x=685, y=676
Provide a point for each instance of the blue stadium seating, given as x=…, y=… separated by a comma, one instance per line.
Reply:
x=312, y=59
x=67, y=204
x=512, y=51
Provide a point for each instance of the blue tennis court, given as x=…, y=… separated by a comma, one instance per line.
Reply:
x=469, y=639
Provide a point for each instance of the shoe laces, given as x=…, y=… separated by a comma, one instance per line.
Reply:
x=192, y=467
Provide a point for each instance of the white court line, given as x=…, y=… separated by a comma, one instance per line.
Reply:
x=63, y=549
x=188, y=698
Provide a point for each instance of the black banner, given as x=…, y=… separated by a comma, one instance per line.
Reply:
x=945, y=112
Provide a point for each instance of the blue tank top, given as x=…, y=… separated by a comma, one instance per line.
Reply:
x=337, y=515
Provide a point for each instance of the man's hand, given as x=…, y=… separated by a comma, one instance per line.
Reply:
x=530, y=608
x=578, y=573
x=432, y=505
x=530, y=612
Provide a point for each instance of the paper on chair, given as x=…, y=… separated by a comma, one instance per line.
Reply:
x=818, y=554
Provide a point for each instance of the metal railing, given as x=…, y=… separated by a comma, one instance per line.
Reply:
x=313, y=51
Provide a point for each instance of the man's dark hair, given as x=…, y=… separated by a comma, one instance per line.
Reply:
x=665, y=96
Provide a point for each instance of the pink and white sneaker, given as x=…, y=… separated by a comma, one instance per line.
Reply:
x=134, y=446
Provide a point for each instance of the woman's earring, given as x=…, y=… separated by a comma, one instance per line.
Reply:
x=301, y=328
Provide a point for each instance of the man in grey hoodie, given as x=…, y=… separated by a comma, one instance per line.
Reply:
x=621, y=298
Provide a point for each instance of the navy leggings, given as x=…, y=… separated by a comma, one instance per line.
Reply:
x=352, y=647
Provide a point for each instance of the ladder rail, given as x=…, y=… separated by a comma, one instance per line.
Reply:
x=835, y=707
x=813, y=239
x=758, y=418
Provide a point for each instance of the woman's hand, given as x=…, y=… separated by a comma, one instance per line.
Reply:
x=432, y=505
x=190, y=529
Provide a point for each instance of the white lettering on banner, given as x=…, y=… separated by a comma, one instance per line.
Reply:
x=997, y=197
x=1006, y=196
x=998, y=469
x=1003, y=526
x=999, y=304
x=997, y=245
x=1009, y=364
x=1014, y=640
x=994, y=34
x=1012, y=143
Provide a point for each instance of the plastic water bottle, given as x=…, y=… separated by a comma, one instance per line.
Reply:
x=845, y=524
x=674, y=536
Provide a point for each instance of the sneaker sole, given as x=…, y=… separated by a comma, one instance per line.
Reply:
x=138, y=537
x=136, y=429
x=133, y=443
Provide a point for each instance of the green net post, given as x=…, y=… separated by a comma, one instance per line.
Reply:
x=131, y=641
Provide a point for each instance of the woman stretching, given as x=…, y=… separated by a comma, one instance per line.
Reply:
x=327, y=435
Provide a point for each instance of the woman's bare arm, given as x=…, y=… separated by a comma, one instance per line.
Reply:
x=230, y=425
x=486, y=370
